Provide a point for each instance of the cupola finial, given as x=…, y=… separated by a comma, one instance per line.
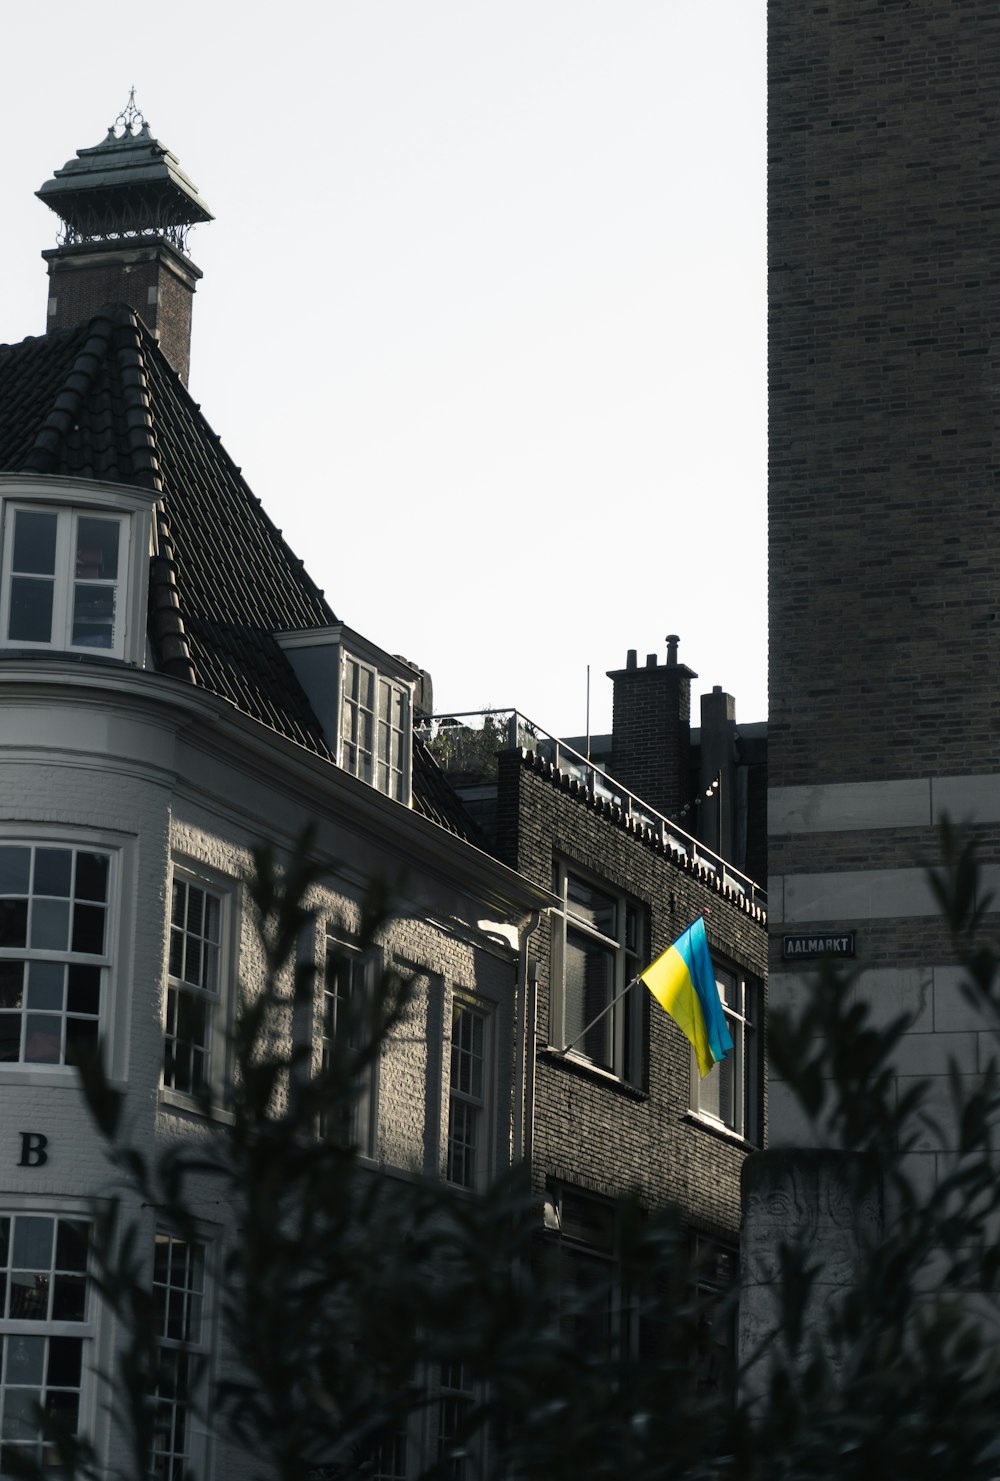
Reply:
x=130, y=120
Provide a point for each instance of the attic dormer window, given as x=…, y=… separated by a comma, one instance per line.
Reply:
x=363, y=699
x=70, y=578
x=375, y=715
x=64, y=571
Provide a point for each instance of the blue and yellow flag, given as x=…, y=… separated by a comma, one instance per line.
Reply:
x=682, y=980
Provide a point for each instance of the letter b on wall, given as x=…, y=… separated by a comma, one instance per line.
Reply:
x=33, y=1149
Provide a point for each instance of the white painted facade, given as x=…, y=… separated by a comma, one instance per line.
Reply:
x=160, y=776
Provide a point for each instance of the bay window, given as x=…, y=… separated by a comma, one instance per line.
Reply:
x=74, y=566
x=63, y=571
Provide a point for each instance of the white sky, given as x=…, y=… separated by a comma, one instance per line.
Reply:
x=483, y=314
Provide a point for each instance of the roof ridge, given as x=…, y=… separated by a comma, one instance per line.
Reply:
x=131, y=364
x=166, y=621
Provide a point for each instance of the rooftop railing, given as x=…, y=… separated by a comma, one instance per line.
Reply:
x=466, y=746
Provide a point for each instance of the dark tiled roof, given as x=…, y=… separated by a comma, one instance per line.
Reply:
x=101, y=401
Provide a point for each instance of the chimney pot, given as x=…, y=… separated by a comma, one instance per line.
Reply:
x=672, y=641
x=630, y=661
x=651, y=660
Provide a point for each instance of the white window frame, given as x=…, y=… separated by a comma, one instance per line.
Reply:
x=737, y=1078
x=621, y=1028
x=198, y=1347
x=85, y=1330
x=69, y=501
x=219, y=1002
x=59, y=1071
x=472, y=1104
x=360, y=1129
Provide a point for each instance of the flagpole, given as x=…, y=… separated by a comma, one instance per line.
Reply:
x=603, y=1014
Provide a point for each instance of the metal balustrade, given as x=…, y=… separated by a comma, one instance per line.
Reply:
x=466, y=745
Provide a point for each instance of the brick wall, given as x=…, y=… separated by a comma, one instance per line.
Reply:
x=590, y=1130
x=154, y=280
x=884, y=299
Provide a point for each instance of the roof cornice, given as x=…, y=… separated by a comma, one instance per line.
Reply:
x=215, y=726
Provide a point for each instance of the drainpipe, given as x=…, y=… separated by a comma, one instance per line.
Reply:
x=524, y=1045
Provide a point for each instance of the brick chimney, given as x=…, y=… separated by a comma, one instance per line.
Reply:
x=651, y=728
x=718, y=779
x=126, y=208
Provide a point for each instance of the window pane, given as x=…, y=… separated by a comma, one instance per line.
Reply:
x=191, y=1017
x=727, y=1088
x=69, y=1298
x=29, y=1297
x=590, y=975
x=50, y=925
x=15, y=870
x=728, y=988
x=34, y=542
x=11, y=984
x=43, y=1038
x=212, y=912
x=32, y=1243
x=53, y=871
x=94, y=610
x=592, y=905
x=97, y=548
x=91, y=876
x=84, y=995
x=81, y=1038
x=10, y=1038
x=30, y=610
x=196, y=908
x=64, y=1408
x=13, y=923
x=709, y=1098
x=72, y=1241
x=45, y=985
x=88, y=929
x=65, y=1361
x=20, y=1404
x=175, y=962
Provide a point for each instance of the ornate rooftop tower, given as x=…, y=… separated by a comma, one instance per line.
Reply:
x=126, y=208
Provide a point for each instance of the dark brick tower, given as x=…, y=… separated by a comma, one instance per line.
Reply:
x=884, y=509
x=126, y=208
